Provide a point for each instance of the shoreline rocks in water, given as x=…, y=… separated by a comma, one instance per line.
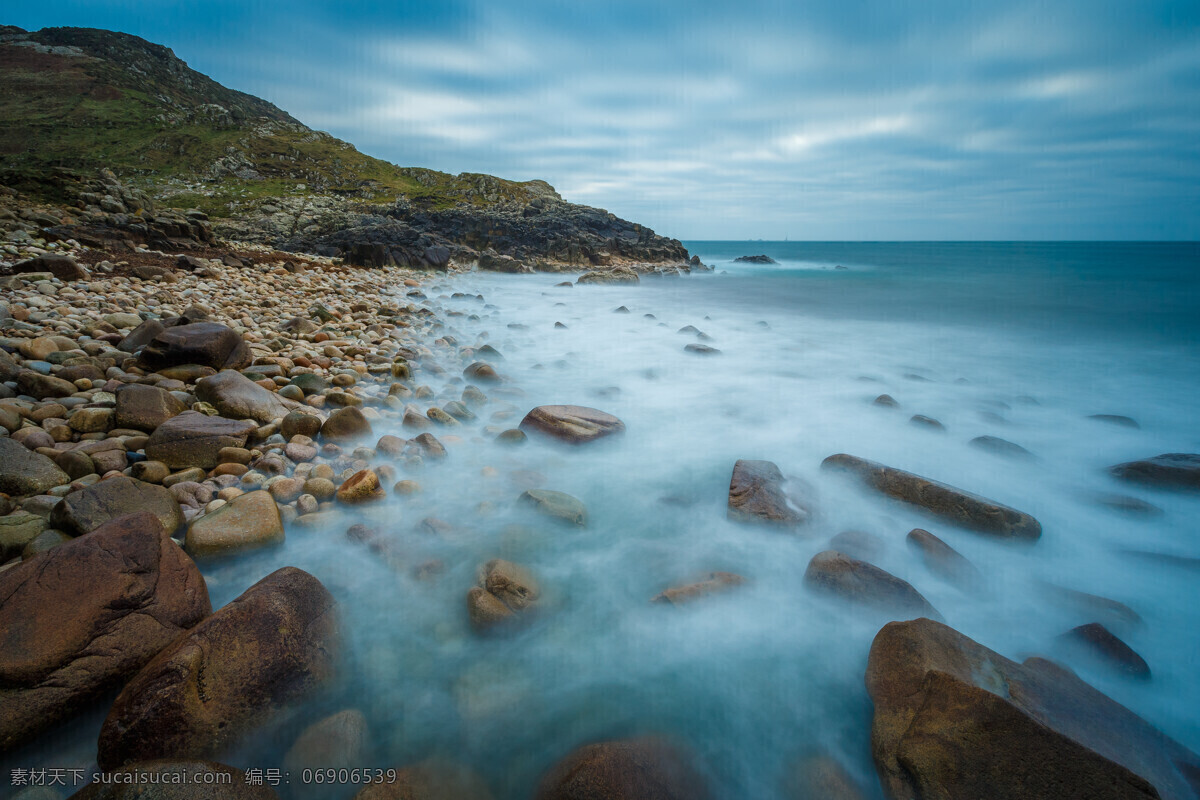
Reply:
x=572, y=424
x=954, y=505
x=1170, y=470
x=756, y=494
x=860, y=582
x=759, y=259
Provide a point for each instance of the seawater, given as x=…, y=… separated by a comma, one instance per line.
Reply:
x=1020, y=341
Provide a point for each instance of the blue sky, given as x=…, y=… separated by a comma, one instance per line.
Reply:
x=838, y=119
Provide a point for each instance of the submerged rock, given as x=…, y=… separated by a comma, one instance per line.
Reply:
x=335, y=742
x=1000, y=447
x=955, y=719
x=712, y=583
x=626, y=769
x=274, y=643
x=574, y=424
x=756, y=495
x=1116, y=419
x=558, y=505
x=955, y=505
x=820, y=777
x=1173, y=470
x=78, y=619
x=1103, y=644
x=838, y=574
x=505, y=591
x=945, y=562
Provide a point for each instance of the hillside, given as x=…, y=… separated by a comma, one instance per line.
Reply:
x=74, y=101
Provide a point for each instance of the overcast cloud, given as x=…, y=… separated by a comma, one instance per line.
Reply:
x=819, y=120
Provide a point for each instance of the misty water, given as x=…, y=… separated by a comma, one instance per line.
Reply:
x=1022, y=342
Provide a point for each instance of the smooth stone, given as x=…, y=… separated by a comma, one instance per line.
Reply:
x=1170, y=470
x=248, y=521
x=558, y=505
x=346, y=424
x=361, y=487
x=144, y=408
x=712, y=583
x=46, y=540
x=1108, y=647
x=944, y=561
x=150, y=471
x=205, y=343
x=573, y=424
x=863, y=583
x=430, y=446
x=298, y=423
x=89, y=508
x=1115, y=419
x=235, y=396
x=18, y=530
x=756, y=495
x=195, y=439
x=1000, y=447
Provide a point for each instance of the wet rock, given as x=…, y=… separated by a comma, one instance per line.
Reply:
x=1170, y=470
x=235, y=396
x=573, y=424
x=701, y=349
x=886, y=401
x=430, y=445
x=922, y=421
x=955, y=719
x=195, y=439
x=954, y=505
x=144, y=408
x=1113, y=612
x=273, y=644
x=1115, y=419
x=208, y=344
x=1123, y=503
x=609, y=277
x=298, y=423
x=17, y=531
x=429, y=780
x=46, y=540
x=558, y=505
x=346, y=424
x=78, y=619
x=1001, y=447
x=89, y=508
x=481, y=371
x=361, y=487
x=820, y=777
x=415, y=421
x=838, y=574
x=336, y=742
x=756, y=495
x=1105, y=645
x=505, y=591
x=177, y=780
x=628, y=769
x=23, y=472
x=712, y=583
x=141, y=336
x=944, y=561
x=247, y=521
x=511, y=436
x=42, y=386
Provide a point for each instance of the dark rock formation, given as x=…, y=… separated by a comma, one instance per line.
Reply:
x=209, y=344
x=1172, y=470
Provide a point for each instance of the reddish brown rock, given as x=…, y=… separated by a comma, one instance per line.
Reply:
x=178, y=780
x=505, y=592
x=954, y=505
x=78, y=619
x=838, y=574
x=89, y=508
x=712, y=583
x=628, y=769
x=193, y=439
x=573, y=424
x=756, y=495
x=273, y=644
x=955, y=719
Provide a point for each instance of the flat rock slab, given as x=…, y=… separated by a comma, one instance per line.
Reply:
x=192, y=439
x=275, y=643
x=954, y=505
x=573, y=424
x=1171, y=470
x=955, y=719
x=756, y=494
x=77, y=619
x=89, y=508
x=24, y=472
x=860, y=582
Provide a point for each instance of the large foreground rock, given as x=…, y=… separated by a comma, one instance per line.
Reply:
x=237, y=397
x=272, y=645
x=954, y=719
x=574, y=424
x=248, y=521
x=863, y=583
x=208, y=344
x=756, y=495
x=23, y=471
x=1172, y=470
x=954, y=505
x=89, y=508
x=78, y=619
x=193, y=439
x=627, y=769
x=144, y=408
x=178, y=780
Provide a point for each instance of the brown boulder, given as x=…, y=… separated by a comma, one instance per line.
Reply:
x=573, y=424
x=247, y=521
x=1105, y=645
x=361, y=487
x=273, y=644
x=958, y=507
x=235, y=396
x=756, y=495
x=209, y=344
x=177, y=780
x=144, y=408
x=346, y=424
x=62, y=267
x=955, y=719
x=505, y=591
x=91, y=507
x=192, y=439
x=866, y=584
x=141, y=336
x=628, y=769
x=78, y=619
x=23, y=471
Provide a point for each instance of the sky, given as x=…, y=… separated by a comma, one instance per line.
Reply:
x=825, y=120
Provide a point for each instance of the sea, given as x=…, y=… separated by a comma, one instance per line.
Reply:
x=1026, y=341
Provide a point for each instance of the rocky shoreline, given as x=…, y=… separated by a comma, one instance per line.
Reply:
x=167, y=407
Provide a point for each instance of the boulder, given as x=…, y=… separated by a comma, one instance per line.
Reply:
x=1105, y=645
x=141, y=336
x=40, y=386
x=505, y=591
x=573, y=424
x=24, y=472
x=838, y=574
x=955, y=719
x=62, y=267
x=177, y=780
x=16, y=531
x=1169, y=470
x=628, y=769
x=1001, y=447
x=954, y=505
x=235, y=396
x=945, y=562
x=144, y=408
x=275, y=643
x=559, y=505
x=247, y=521
x=208, y=344
x=89, y=508
x=78, y=619
x=346, y=424
x=756, y=495
x=820, y=777
x=609, y=277
x=361, y=487
x=429, y=780
x=192, y=439
x=712, y=583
